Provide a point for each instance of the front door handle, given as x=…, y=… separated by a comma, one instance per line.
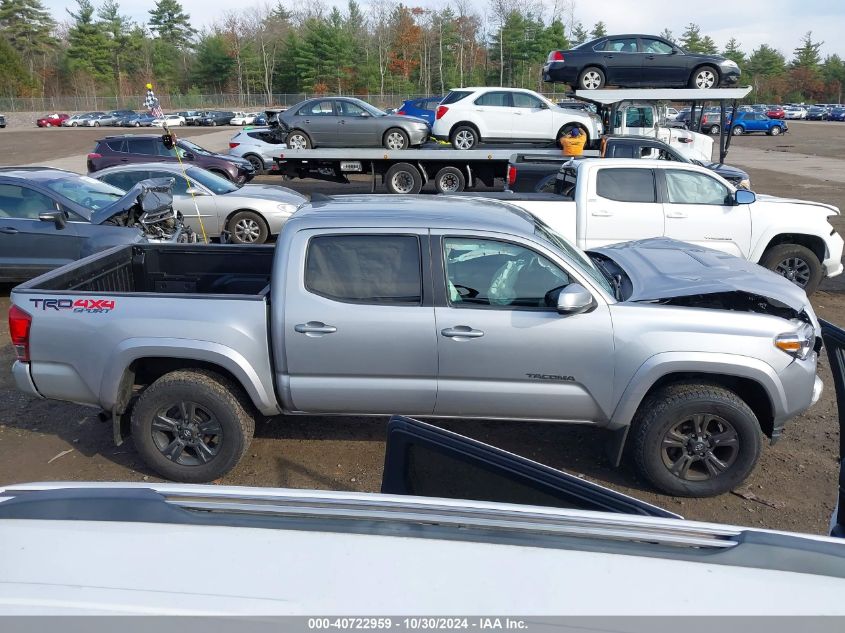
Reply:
x=308, y=120
x=8, y=230
x=314, y=328
x=460, y=332
x=601, y=214
x=676, y=214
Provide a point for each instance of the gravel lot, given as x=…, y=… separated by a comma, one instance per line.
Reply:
x=793, y=487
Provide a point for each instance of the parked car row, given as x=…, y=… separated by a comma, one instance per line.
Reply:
x=131, y=118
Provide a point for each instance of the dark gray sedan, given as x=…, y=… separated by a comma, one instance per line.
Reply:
x=349, y=122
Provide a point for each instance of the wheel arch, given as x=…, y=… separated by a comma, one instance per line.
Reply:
x=815, y=243
x=753, y=381
x=701, y=65
x=474, y=126
x=306, y=134
x=256, y=155
x=232, y=214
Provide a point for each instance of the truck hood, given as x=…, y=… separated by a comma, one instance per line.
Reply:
x=792, y=201
x=662, y=268
x=152, y=195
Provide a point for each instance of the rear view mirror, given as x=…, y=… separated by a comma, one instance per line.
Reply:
x=56, y=217
x=743, y=196
x=574, y=299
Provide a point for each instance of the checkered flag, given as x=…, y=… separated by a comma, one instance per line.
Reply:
x=151, y=104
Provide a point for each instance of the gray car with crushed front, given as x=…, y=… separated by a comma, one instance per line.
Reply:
x=446, y=307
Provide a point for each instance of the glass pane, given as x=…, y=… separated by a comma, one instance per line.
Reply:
x=691, y=188
x=626, y=185
x=374, y=269
x=622, y=45
x=146, y=146
x=495, y=99
x=524, y=100
x=88, y=192
x=346, y=108
x=23, y=203
x=491, y=273
x=320, y=108
x=454, y=96
x=655, y=47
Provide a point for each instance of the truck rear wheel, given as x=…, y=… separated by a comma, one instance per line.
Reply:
x=450, y=180
x=695, y=440
x=192, y=426
x=403, y=178
x=795, y=262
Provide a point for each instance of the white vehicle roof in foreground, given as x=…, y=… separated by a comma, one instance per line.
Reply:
x=608, y=97
x=182, y=549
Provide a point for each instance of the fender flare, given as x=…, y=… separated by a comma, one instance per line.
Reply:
x=262, y=395
x=763, y=241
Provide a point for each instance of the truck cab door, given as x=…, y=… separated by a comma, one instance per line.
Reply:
x=504, y=350
x=621, y=205
x=699, y=209
x=358, y=329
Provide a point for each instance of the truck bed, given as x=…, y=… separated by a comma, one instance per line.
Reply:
x=166, y=269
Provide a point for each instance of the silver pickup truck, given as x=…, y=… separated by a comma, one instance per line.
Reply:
x=436, y=307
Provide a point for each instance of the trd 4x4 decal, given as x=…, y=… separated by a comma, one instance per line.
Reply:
x=87, y=306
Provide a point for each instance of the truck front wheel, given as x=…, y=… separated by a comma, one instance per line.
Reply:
x=695, y=440
x=797, y=263
x=403, y=178
x=192, y=426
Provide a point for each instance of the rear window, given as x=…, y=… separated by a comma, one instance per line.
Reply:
x=373, y=269
x=454, y=96
x=626, y=185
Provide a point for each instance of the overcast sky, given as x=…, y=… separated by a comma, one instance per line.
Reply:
x=779, y=23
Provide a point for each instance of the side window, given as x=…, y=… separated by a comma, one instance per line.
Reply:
x=622, y=151
x=318, y=108
x=346, y=108
x=655, y=47
x=639, y=117
x=489, y=273
x=525, y=100
x=117, y=145
x=125, y=179
x=22, y=203
x=687, y=187
x=495, y=99
x=180, y=184
x=626, y=185
x=621, y=45
x=372, y=269
x=145, y=146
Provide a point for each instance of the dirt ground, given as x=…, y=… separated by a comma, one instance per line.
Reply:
x=792, y=488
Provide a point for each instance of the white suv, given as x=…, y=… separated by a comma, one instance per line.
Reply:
x=469, y=116
x=259, y=146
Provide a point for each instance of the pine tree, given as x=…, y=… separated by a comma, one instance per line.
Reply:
x=579, y=34
x=599, y=30
x=171, y=24
x=666, y=34
x=807, y=55
x=28, y=28
x=766, y=61
x=122, y=48
x=88, y=45
x=14, y=78
x=691, y=39
x=734, y=52
x=708, y=46
x=213, y=65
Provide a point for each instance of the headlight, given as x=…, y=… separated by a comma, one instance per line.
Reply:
x=798, y=344
x=287, y=208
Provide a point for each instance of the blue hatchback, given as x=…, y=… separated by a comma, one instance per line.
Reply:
x=837, y=114
x=422, y=108
x=755, y=122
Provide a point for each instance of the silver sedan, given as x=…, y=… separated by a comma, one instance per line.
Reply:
x=249, y=214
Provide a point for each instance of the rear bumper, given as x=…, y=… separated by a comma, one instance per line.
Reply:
x=559, y=72
x=23, y=379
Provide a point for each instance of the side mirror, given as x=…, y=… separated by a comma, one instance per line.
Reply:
x=544, y=105
x=366, y=115
x=56, y=217
x=574, y=299
x=188, y=156
x=743, y=196
x=194, y=191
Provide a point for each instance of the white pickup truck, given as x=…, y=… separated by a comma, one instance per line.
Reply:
x=600, y=202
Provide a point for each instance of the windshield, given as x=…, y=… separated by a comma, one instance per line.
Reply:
x=577, y=256
x=194, y=148
x=215, y=183
x=85, y=191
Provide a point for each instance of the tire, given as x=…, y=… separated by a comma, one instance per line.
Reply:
x=297, y=139
x=591, y=78
x=450, y=180
x=464, y=137
x=96, y=124
x=675, y=440
x=74, y=124
x=737, y=130
x=775, y=130
x=212, y=403
x=214, y=124
x=247, y=227
x=137, y=124
x=45, y=125
x=795, y=262
x=395, y=138
x=403, y=178
x=714, y=129
x=256, y=162
x=704, y=78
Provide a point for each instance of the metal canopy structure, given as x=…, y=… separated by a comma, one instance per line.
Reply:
x=608, y=101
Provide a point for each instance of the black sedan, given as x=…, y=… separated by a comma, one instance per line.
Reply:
x=637, y=61
x=217, y=117
x=817, y=113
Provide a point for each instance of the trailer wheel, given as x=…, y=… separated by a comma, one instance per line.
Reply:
x=403, y=178
x=450, y=180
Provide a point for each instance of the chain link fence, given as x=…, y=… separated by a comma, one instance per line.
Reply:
x=73, y=104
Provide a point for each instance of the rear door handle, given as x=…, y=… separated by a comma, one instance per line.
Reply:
x=314, y=328
x=676, y=214
x=8, y=230
x=601, y=214
x=461, y=332
x=308, y=120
